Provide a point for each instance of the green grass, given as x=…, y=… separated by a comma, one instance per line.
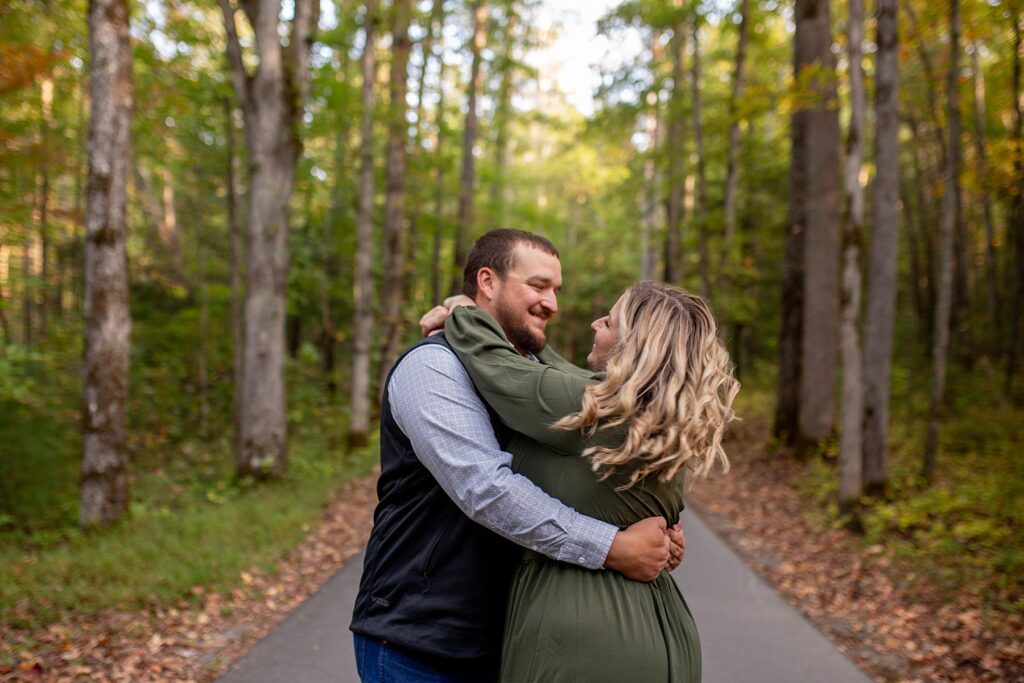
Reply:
x=204, y=536
x=190, y=524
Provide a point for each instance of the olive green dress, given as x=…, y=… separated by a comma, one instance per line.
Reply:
x=566, y=623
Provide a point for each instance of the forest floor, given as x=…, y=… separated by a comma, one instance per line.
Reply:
x=862, y=596
x=192, y=640
x=880, y=609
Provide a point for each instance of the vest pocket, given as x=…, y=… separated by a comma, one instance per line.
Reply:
x=435, y=543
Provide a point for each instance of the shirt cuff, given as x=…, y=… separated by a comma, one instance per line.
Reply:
x=588, y=542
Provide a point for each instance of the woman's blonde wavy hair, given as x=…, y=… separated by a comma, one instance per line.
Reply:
x=668, y=381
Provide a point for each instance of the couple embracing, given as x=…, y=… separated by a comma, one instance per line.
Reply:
x=528, y=509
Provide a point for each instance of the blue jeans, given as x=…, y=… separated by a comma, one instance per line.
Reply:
x=381, y=662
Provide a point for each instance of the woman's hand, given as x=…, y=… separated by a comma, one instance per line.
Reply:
x=677, y=546
x=432, y=321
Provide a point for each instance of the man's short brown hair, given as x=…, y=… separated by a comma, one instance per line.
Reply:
x=496, y=250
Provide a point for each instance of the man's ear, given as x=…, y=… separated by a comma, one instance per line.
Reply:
x=487, y=283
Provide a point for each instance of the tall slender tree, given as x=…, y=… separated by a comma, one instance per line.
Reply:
x=467, y=182
x=732, y=169
x=42, y=208
x=883, y=268
x=272, y=100
x=652, y=176
x=674, y=144
x=104, y=493
x=236, y=264
x=439, y=164
x=648, y=245
x=395, y=223
x=362, y=281
x=851, y=463
x=991, y=276
x=503, y=115
x=1016, y=219
x=943, y=307
x=701, y=198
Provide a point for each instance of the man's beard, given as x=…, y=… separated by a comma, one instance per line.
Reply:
x=521, y=336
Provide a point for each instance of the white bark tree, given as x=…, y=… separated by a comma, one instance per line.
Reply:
x=104, y=492
x=271, y=98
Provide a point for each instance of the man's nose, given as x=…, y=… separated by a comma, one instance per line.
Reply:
x=550, y=302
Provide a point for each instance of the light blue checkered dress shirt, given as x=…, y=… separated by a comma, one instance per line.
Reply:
x=434, y=403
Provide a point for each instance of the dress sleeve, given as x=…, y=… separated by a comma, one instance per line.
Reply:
x=527, y=396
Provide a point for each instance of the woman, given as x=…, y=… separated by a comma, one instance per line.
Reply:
x=659, y=408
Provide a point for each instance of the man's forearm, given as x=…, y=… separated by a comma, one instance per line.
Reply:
x=450, y=430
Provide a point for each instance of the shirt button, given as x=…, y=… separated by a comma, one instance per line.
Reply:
x=581, y=559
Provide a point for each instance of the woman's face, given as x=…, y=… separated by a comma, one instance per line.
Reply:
x=606, y=335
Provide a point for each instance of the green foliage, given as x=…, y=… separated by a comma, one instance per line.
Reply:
x=189, y=526
x=966, y=529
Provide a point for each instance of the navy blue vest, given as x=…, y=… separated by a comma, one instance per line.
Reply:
x=434, y=582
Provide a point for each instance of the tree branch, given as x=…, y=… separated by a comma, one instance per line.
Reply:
x=300, y=43
x=240, y=75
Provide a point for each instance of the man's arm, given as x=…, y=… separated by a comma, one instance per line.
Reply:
x=436, y=407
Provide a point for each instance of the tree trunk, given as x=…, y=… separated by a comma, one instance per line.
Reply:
x=882, y=276
x=272, y=102
x=415, y=208
x=104, y=479
x=850, y=439
x=145, y=196
x=940, y=332
x=701, y=205
x=652, y=179
x=81, y=174
x=204, y=332
x=822, y=204
x=674, y=149
x=28, y=288
x=464, y=225
x=394, y=199
x=732, y=170
x=787, y=404
x=341, y=199
x=362, y=327
x=427, y=51
x=236, y=265
x=991, y=276
x=43, y=202
x=169, y=236
x=1016, y=222
x=5, y=325
x=910, y=194
x=930, y=78
x=927, y=218
x=439, y=212
x=648, y=247
x=502, y=118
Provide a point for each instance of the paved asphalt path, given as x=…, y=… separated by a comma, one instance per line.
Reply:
x=748, y=633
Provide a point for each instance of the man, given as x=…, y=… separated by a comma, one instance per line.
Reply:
x=435, y=581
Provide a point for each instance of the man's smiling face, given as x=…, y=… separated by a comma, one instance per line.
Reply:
x=527, y=297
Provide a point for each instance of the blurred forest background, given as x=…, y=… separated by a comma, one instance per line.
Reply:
x=219, y=224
